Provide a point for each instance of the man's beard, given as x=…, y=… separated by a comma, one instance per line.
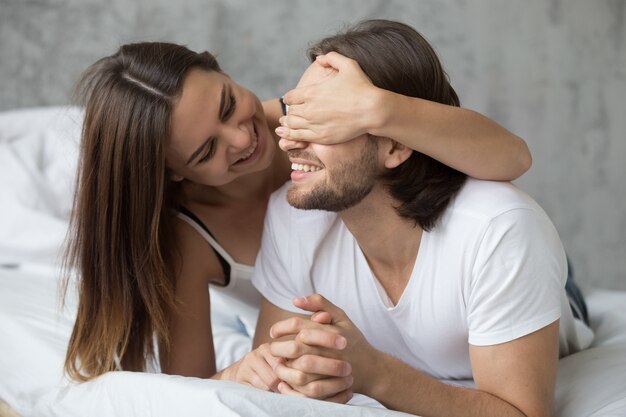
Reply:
x=344, y=186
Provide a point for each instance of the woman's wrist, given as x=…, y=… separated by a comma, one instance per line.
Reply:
x=228, y=374
x=381, y=105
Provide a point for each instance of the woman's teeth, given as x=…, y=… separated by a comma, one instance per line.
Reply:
x=250, y=151
x=304, y=167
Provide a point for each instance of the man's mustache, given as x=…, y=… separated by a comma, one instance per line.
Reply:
x=303, y=154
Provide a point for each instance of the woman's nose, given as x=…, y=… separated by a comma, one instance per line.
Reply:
x=240, y=138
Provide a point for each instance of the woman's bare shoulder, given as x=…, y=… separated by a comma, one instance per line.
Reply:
x=196, y=259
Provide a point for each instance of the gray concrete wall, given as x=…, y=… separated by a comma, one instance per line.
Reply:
x=553, y=72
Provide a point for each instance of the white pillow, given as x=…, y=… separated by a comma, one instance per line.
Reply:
x=38, y=155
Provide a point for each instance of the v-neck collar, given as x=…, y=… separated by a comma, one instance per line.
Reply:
x=383, y=297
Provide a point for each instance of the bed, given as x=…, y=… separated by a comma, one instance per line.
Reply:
x=37, y=162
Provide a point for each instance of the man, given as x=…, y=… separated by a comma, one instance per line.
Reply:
x=425, y=275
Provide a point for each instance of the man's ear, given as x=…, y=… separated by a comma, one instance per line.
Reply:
x=396, y=153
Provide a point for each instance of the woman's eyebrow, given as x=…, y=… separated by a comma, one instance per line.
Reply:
x=222, y=102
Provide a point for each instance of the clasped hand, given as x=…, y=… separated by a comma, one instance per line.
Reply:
x=324, y=359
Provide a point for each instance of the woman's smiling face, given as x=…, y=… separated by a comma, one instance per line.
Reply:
x=218, y=131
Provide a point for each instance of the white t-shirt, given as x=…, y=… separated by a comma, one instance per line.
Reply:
x=492, y=270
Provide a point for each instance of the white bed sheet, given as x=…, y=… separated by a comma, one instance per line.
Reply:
x=34, y=331
x=37, y=161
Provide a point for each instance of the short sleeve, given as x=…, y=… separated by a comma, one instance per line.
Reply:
x=277, y=273
x=517, y=279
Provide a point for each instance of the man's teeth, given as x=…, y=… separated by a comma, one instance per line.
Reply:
x=304, y=167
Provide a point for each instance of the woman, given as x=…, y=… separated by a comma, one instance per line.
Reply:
x=177, y=164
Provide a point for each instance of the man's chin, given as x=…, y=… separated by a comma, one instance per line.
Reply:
x=297, y=199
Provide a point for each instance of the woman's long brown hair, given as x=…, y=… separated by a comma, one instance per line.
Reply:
x=121, y=238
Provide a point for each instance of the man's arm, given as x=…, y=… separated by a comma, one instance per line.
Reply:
x=513, y=379
x=268, y=315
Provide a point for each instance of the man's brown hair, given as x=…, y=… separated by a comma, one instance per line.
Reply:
x=397, y=58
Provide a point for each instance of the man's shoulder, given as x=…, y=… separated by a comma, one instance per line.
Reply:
x=489, y=199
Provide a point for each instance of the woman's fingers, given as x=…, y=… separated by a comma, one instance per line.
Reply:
x=257, y=369
x=334, y=60
x=296, y=134
x=293, y=122
x=294, y=97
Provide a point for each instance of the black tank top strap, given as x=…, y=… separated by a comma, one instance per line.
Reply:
x=223, y=262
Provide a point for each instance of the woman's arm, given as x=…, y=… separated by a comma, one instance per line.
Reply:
x=190, y=351
x=461, y=138
x=273, y=112
x=347, y=105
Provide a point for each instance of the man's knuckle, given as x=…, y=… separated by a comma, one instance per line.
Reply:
x=274, y=381
x=317, y=297
x=345, y=396
x=307, y=362
x=315, y=389
x=338, y=368
x=300, y=378
x=294, y=322
x=305, y=334
x=294, y=348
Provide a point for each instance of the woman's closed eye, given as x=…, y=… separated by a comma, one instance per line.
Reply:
x=209, y=153
x=230, y=109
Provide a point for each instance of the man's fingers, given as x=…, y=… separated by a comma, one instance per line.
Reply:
x=322, y=338
x=341, y=398
x=292, y=349
x=284, y=388
x=320, y=365
x=313, y=385
x=322, y=317
x=325, y=388
x=294, y=377
x=291, y=326
x=315, y=303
